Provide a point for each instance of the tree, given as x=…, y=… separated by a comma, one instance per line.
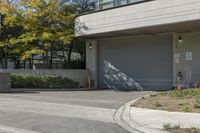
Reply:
x=45, y=24
x=40, y=27
x=9, y=28
x=84, y=5
x=77, y=45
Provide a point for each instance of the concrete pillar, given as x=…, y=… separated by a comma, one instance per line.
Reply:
x=91, y=60
x=174, y=59
x=177, y=57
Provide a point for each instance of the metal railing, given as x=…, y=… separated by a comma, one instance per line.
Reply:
x=105, y=4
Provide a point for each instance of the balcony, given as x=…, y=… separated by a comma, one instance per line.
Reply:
x=140, y=18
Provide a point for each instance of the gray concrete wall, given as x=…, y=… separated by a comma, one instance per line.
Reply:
x=4, y=82
x=147, y=60
x=153, y=13
x=78, y=75
x=191, y=43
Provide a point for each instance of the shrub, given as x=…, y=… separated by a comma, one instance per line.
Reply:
x=143, y=98
x=153, y=95
x=176, y=126
x=185, y=108
x=21, y=81
x=157, y=104
x=163, y=93
x=169, y=126
x=197, y=106
x=198, y=99
x=181, y=104
x=185, y=93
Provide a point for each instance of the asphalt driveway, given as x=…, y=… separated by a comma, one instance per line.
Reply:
x=63, y=112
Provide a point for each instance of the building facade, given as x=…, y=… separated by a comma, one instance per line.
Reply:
x=148, y=45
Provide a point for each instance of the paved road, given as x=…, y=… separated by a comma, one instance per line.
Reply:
x=63, y=112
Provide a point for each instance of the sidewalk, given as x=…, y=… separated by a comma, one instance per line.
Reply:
x=151, y=121
x=154, y=119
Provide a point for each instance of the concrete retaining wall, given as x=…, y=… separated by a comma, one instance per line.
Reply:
x=78, y=75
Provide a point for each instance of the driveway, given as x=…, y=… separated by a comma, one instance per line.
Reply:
x=63, y=112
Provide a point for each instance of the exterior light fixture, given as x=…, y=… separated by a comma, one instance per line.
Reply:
x=180, y=39
x=90, y=46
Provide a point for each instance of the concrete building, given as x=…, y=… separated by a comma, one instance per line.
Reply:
x=153, y=44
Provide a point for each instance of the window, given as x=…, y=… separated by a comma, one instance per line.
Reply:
x=103, y=4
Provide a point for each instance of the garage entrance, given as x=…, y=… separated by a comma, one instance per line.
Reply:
x=147, y=60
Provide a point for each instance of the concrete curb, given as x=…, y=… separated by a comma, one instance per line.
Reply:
x=7, y=129
x=123, y=118
x=123, y=121
x=51, y=89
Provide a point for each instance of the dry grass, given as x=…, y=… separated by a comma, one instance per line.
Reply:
x=184, y=130
x=177, y=129
x=181, y=101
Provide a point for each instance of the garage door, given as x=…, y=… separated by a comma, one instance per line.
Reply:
x=144, y=60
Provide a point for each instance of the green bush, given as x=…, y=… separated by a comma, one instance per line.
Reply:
x=197, y=106
x=157, y=104
x=169, y=126
x=185, y=108
x=21, y=81
x=198, y=99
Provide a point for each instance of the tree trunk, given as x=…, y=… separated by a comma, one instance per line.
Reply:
x=2, y=65
x=82, y=60
x=6, y=58
x=51, y=57
x=24, y=64
x=32, y=60
x=46, y=60
x=69, y=54
x=17, y=62
x=63, y=58
x=30, y=64
x=43, y=57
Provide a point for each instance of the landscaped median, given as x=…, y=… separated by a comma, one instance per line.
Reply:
x=174, y=101
x=173, y=111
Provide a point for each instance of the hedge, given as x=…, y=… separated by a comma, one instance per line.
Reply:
x=27, y=81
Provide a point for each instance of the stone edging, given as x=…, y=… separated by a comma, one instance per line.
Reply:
x=122, y=117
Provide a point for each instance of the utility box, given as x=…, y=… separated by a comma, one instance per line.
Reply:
x=5, y=82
